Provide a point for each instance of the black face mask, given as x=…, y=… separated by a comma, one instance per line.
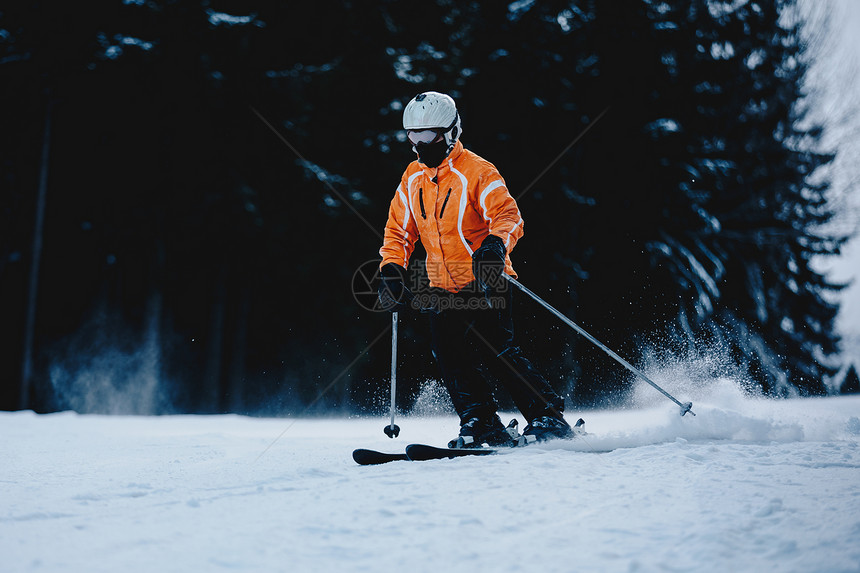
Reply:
x=432, y=154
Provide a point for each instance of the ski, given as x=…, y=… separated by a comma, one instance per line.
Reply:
x=423, y=452
x=371, y=457
x=415, y=453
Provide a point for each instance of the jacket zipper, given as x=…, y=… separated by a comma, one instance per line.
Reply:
x=442, y=212
x=421, y=201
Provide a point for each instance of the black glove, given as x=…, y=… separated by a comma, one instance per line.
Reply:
x=393, y=294
x=488, y=262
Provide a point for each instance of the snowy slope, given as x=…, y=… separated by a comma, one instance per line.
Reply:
x=746, y=485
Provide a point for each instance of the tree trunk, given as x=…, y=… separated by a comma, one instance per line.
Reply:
x=211, y=398
x=35, y=261
x=236, y=398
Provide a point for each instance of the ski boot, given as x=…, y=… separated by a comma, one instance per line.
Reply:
x=475, y=432
x=546, y=428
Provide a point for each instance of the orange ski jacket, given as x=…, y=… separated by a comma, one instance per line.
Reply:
x=451, y=209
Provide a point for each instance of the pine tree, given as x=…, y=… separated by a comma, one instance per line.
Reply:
x=769, y=210
x=717, y=190
x=851, y=382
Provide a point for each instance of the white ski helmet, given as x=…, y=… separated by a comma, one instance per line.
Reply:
x=434, y=110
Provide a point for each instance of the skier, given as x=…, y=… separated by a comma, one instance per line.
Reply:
x=459, y=206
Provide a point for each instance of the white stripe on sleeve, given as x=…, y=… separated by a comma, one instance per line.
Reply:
x=483, y=201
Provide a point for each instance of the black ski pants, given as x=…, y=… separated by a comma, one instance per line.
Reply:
x=473, y=342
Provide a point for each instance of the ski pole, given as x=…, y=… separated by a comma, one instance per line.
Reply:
x=686, y=407
x=392, y=430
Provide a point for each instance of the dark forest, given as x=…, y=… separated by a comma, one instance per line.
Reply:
x=188, y=188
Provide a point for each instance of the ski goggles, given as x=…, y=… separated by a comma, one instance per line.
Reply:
x=417, y=136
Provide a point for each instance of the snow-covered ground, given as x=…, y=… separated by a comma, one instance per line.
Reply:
x=746, y=485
